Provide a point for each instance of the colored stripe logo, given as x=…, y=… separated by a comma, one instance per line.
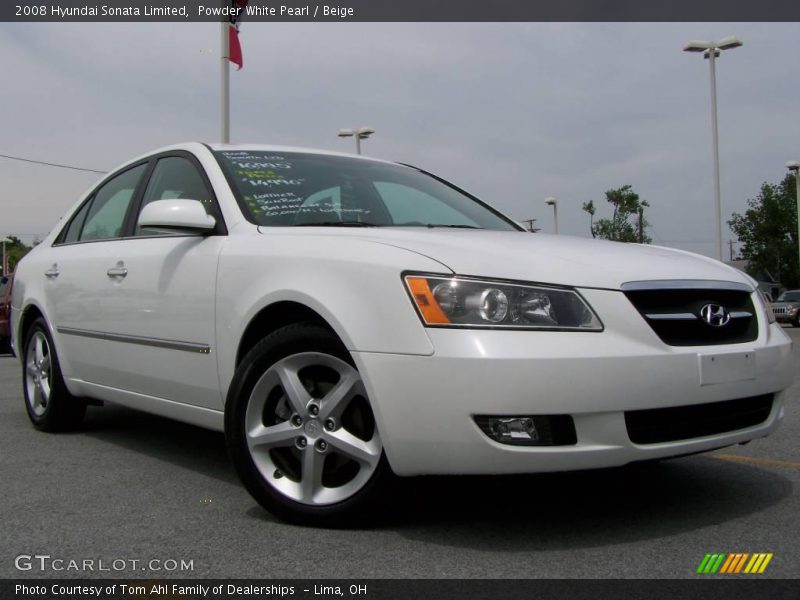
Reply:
x=734, y=563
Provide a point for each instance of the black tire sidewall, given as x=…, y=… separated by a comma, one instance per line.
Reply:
x=289, y=340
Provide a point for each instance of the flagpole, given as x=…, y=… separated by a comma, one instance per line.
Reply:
x=225, y=80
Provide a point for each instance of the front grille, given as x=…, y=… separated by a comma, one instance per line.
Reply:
x=780, y=310
x=654, y=426
x=675, y=315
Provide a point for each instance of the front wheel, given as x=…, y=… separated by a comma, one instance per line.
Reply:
x=301, y=430
x=49, y=404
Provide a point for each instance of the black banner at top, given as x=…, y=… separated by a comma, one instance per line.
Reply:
x=402, y=10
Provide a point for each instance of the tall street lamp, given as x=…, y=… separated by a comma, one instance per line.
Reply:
x=361, y=133
x=3, y=264
x=711, y=50
x=552, y=202
x=793, y=165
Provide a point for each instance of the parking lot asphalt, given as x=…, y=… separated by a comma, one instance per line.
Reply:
x=136, y=487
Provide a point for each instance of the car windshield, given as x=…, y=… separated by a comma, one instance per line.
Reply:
x=793, y=296
x=287, y=189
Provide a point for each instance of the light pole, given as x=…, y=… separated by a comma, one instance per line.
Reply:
x=711, y=50
x=225, y=80
x=793, y=165
x=3, y=264
x=550, y=201
x=361, y=133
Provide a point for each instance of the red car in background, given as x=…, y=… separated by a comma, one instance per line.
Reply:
x=5, y=311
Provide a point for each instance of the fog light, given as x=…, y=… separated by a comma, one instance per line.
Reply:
x=529, y=430
x=513, y=429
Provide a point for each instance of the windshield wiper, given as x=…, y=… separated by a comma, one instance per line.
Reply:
x=432, y=225
x=337, y=224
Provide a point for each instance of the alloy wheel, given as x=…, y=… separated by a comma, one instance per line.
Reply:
x=310, y=429
x=38, y=373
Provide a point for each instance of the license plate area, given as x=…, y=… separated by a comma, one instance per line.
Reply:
x=727, y=368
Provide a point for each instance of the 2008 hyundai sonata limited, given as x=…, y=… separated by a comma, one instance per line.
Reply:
x=344, y=320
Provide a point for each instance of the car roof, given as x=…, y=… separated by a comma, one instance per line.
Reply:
x=270, y=148
x=200, y=147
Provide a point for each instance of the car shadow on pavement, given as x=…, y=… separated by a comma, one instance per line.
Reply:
x=177, y=443
x=501, y=513
x=584, y=508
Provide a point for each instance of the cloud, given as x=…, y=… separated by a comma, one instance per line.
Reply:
x=513, y=112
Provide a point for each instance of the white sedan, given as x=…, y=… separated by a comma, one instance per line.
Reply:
x=344, y=320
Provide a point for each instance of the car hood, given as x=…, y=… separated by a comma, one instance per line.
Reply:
x=555, y=259
x=785, y=304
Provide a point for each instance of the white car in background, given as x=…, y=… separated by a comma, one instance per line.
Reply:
x=344, y=319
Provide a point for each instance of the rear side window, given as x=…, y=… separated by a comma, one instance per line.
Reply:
x=74, y=229
x=107, y=212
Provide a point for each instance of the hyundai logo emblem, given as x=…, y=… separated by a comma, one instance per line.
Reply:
x=715, y=315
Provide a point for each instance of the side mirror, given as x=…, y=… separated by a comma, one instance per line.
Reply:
x=177, y=216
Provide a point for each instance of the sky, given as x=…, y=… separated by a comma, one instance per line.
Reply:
x=512, y=112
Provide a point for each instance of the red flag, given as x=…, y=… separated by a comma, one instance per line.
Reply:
x=234, y=48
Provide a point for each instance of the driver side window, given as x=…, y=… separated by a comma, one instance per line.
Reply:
x=175, y=178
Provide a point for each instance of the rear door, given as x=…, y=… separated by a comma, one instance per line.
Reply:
x=76, y=284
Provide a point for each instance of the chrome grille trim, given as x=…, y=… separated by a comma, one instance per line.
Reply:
x=671, y=316
x=685, y=284
x=740, y=314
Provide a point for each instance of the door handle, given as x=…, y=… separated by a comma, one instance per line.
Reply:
x=52, y=272
x=119, y=270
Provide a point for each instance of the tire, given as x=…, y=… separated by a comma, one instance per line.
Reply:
x=301, y=432
x=796, y=321
x=49, y=404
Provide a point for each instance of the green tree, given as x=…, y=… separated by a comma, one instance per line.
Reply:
x=15, y=250
x=620, y=227
x=768, y=232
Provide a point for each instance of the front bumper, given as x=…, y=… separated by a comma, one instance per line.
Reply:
x=425, y=405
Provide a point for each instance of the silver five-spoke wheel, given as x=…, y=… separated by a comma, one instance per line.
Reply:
x=310, y=429
x=38, y=377
x=301, y=430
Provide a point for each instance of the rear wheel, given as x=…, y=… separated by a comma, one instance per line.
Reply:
x=301, y=429
x=49, y=404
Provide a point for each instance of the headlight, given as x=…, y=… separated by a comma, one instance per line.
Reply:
x=767, y=306
x=462, y=302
